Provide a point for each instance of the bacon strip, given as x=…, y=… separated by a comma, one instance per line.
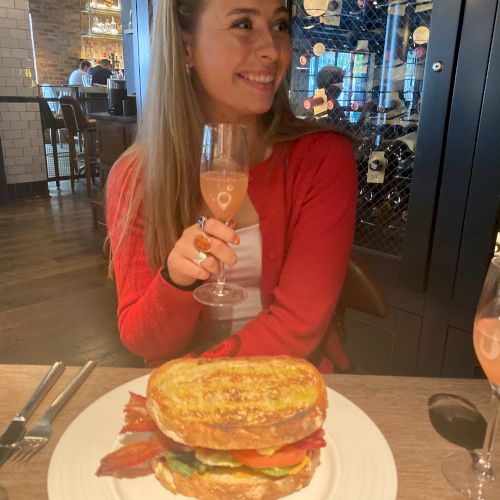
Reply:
x=130, y=455
x=312, y=442
x=136, y=416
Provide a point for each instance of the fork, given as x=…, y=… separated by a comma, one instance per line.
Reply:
x=36, y=438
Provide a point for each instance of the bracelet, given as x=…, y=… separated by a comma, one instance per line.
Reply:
x=168, y=279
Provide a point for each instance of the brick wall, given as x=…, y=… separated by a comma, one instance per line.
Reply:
x=20, y=127
x=57, y=34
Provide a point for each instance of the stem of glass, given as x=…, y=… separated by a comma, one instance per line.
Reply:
x=221, y=279
x=221, y=275
x=483, y=465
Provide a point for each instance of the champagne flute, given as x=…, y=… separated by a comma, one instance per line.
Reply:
x=223, y=183
x=472, y=474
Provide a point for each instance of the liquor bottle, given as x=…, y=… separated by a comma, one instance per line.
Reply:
x=95, y=24
x=398, y=199
x=400, y=159
x=365, y=4
x=370, y=161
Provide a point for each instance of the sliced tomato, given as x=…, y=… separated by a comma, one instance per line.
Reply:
x=287, y=456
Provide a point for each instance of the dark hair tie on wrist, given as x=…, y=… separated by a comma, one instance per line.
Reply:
x=187, y=288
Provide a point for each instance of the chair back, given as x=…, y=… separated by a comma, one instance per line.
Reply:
x=68, y=90
x=361, y=290
x=74, y=117
x=48, y=119
x=49, y=91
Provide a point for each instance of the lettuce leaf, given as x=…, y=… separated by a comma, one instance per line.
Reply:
x=185, y=463
x=275, y=471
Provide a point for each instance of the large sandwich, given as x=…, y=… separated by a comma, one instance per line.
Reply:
x=238, y=428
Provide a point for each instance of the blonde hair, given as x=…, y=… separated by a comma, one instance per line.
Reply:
x=165, y=175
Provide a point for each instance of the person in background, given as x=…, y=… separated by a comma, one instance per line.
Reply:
x=331, y=78
x=219, y=61
x=101, y=72
x=76, y=76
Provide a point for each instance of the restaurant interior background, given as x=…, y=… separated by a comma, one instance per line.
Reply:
x=428, y=168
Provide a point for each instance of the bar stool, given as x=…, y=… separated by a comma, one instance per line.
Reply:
x=54, y=124
x=76, y=122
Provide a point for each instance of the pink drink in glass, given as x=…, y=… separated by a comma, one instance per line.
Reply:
x=487, y=347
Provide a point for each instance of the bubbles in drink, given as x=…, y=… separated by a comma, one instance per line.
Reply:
x=223, y=192
x=224, y=200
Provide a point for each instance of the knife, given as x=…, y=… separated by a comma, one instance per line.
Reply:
x=17, y=428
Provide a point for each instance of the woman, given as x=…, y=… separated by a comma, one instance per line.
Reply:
x=225, y=61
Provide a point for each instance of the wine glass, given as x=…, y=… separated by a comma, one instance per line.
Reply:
x=223, y=183
x=471, y=473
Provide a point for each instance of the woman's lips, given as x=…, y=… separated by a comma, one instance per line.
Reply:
x=259, y=81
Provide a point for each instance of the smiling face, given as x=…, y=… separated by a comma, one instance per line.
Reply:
x=239, y=55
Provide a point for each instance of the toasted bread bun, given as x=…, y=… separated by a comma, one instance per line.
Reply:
x=237, y=403
x=228, y=485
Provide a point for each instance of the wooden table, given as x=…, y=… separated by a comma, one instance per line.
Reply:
x=398, y=405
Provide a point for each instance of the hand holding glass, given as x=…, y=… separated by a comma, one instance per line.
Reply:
x=223, y=183
x=472, y=473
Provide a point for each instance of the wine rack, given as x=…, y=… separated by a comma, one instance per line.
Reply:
x=375, y=53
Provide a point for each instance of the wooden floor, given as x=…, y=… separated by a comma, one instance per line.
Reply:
x=56, y=302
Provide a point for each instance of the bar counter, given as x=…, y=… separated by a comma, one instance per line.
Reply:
x=113, y=118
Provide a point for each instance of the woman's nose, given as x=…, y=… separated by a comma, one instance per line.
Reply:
x=268, y=47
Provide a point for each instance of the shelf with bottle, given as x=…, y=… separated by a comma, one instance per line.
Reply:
x=103, y=36
x=104, y=12
x=104, y=7
x=103, y=26
x=95, y=50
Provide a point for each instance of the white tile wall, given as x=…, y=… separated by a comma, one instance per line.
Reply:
x=20, y=127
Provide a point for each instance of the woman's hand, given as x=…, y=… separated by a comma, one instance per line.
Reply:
x=180, y=263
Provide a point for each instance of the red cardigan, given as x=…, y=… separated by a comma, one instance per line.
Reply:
x=305, y=196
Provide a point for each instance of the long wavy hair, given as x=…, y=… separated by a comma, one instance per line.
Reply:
x=164, y=180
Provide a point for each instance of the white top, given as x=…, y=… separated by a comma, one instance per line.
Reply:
x=247, y=272
x=76, y=77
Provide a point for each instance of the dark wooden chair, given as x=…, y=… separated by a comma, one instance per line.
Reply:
x=77, y=123
x=361, y=292
x=53, y=124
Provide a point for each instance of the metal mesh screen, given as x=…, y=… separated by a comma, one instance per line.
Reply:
x=62, y=153
x=359, y=65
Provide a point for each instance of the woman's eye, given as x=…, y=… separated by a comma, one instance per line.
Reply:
x=243, y=24
x=281, y=26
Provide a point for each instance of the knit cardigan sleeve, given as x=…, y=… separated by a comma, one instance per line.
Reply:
x=320, y=186
x=155, y=319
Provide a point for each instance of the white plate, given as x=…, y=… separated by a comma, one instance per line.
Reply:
x=357, y=463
